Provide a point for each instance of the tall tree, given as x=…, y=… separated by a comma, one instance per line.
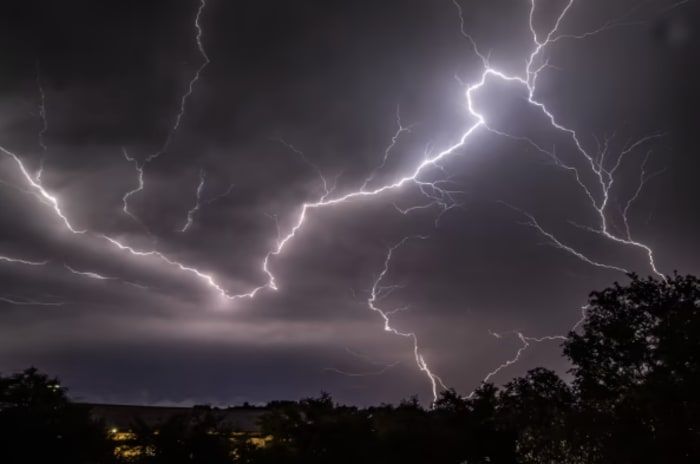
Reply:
x=637, y=371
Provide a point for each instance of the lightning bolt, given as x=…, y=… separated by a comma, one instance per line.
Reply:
x=195, y=208
x=604, y=177
x=206, y=278
x=190, y=86
x=88, y=274
x=532, y=222
x=325, y=185
x=400, y=130
x=526, y=343
x=37, y=188
x=643, y=179
x=181, y=111
x=325, y=201
x=377, y=293
x=97, y=276
x=9, y=259
x=137, y=189
x=282, y=241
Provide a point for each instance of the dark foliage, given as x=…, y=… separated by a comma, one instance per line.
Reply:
x=637, y=372
x=199, y=439
x=39, y=425
x=633, y=399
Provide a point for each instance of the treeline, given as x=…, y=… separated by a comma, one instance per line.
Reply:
x=633, y=398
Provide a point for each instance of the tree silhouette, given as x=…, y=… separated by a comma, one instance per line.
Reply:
x=539, y=407
x=39, y=424
x=314, y=430
x=637, y=371
x=182, y=439
x=474, y=428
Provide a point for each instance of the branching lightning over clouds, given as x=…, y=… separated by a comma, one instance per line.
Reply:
x=442, y=194
x=54, y=204
x=598, y=195
x=433, y=190
x=527, y=80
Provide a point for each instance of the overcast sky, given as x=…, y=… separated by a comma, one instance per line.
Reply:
x=288, y=93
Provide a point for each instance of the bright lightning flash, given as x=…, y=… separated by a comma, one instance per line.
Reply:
x=380, y=291
x=598, y=194
x=527, y=80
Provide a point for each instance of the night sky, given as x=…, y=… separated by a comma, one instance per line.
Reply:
x=294, y=96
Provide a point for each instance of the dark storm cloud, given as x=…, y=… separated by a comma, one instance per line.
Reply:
x=325, y=77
